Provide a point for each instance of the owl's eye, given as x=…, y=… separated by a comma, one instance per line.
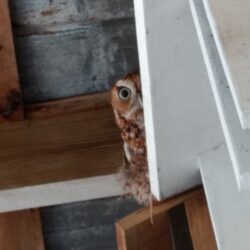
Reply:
x=124, y=93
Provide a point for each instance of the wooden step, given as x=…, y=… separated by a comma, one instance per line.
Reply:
x=237, y=139
x=229, y=21
x=229, y=208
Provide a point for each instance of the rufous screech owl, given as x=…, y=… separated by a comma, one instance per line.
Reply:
x=126, y=100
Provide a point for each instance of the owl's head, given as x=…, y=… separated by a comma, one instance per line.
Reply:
x=126, y=93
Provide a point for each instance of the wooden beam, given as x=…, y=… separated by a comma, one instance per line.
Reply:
x=21, y=230
x=135, y=230
x=10, y=96
x=77, y=141
x=67, y=106
x=199, y=223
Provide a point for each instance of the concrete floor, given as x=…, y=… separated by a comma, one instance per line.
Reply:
x=90, y=225
x=87, y=225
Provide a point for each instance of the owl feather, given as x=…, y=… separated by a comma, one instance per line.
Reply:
x=126, y=100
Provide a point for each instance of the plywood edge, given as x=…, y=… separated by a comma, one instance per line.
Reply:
x=139, y=216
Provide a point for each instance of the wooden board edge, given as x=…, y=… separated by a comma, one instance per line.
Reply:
x=67, y=105
x=199, y=222
x=143, y=214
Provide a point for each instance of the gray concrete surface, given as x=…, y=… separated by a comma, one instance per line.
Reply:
x=68, y=48
x=88, y=225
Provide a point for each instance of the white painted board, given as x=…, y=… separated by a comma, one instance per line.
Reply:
x=59, y=193
x=230, y=22
x=229, y=208
x=238, y=140
x=180, y=114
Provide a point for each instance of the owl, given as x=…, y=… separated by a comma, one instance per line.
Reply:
x=126, y=100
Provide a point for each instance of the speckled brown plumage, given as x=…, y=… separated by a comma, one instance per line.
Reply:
x=126, y=100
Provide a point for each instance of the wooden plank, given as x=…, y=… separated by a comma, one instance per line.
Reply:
x=130, y=229
x=62, y=147
x=237, y=139
x=230, y=26
x=180, y=113
x=67, y=105
x=10, y=97
x=199, y=223
x=146, y=236
x=21, y=230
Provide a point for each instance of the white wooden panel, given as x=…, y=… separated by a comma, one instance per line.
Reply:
x=180, y=113
x=230, y=20
x=59, y=193
x=238, y=140
x=229, y=208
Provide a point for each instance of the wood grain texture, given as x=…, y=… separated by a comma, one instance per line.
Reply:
x=21, y=231
x=67, y=105
x=135, y=231
x=69, y=145
x=199, y=223
x=146, y=236
x=10, y=97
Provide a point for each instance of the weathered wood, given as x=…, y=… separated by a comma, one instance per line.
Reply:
x=21, y=231
x=135, y=231
x=62, y=147
x=10, y=97
x=199, y=223
x=87, y=225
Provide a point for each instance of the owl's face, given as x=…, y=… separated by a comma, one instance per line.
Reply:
x=126, y=94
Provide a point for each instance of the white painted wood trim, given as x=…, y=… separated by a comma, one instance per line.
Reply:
x=147, y=97
x=180, y=114
x=60, y=193
x=232, y=65
x=237, y=139
x=229, y=208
